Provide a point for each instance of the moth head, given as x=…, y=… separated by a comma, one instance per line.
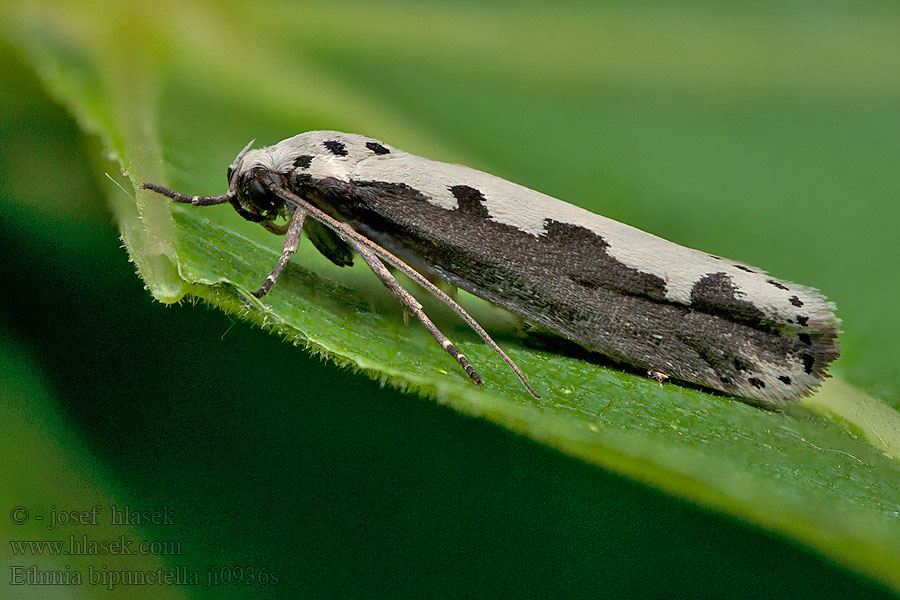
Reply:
x=249, y=177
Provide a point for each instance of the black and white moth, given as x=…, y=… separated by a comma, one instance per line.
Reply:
x=672, y=311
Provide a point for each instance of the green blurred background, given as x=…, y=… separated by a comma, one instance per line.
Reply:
x=782, y=118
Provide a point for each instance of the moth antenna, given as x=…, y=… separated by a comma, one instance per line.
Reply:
x=185, y=199
x=291, y=243
x=348, y=233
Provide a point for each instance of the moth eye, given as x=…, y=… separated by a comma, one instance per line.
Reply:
x=230, y=173
x=256, y=193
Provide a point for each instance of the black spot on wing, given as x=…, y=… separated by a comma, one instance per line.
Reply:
x=757, y=383
x=716, y=294
x=743, y=268
x=796, y=301
x=808, y=361
x=777, y=284
x=716, y=257
x=471, y=201
x=784, y=379
x=802, y=320
x=303, y=162
x=336, y=147
x=804, y=337
x=377, y=148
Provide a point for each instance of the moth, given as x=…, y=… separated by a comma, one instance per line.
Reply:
x=640, y=300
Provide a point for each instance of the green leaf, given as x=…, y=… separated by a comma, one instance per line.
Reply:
x=64, y=482
x=649, y=136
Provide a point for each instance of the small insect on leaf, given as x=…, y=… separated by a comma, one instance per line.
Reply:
x=673, y=312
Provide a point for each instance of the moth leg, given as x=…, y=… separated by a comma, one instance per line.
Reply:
x=438, y=293
x=443, y=297
x=448, y=288
x=184, y=198
x=291, y=242
x=413, y=306
x=206, y=200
